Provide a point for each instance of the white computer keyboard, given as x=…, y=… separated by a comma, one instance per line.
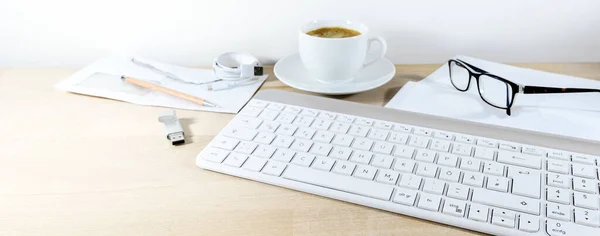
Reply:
x=473, y=182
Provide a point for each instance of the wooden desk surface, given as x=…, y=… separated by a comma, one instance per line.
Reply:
x=80, y=165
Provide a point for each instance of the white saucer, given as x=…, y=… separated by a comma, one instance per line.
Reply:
x=291, y=72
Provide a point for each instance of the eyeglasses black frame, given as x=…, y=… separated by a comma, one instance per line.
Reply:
x=475, y=72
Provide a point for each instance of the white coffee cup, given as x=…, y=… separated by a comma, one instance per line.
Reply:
x=336, y=60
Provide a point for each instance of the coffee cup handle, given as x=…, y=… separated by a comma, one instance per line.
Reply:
x=381, y=53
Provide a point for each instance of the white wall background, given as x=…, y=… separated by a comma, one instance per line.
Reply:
x=72, y=33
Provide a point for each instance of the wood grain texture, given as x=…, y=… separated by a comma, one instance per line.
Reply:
x=81, y=165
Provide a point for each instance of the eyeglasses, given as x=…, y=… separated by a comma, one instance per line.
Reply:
x=495, y=90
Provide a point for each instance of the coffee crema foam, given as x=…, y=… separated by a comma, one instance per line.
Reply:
x=333, y=32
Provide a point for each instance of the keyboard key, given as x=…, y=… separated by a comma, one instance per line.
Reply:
x=478, y=212
x=425, y=155
x=339, y=182
x=423, y=132
x=487, y=143
x=497, y=183
x=341, y=153
x=461, y=149
x=473, y=179
x=454, y=207
x=449, y=174
x=493, y=168
x=466, y=139
x=240, y=133
x=264, y=138
x=383, y=125
x=224, y=143
x=378, y=134
x=509, y=147
x=235, y=160
x=364, y=121
x=388, y=177
x=345, y=118
x=536, y=151
x=558, y=228
x=358, y=131
x=275, y=107
x=585, y=185
x=362, y=144
x=264, y=151
x=587, y=217
x=246, y=122
x=382, y=161
x=304, y=121
x=254, y=164
x=323, y=163
x=321, y=124
x=301, y=145
x=509, y=201
x=445, y=159
x=584, y=171
x=440, y=145
x=273, y=168
x=403, y=128
x=503, y=222
x=285, y=129
x=525, y=182
x=303, y=159
x=365, y=172
x=404, y=151
x=558, y=166
x=398, y=138
x=405, y=196
x=309, y=112
x=584, y=159
x=470, y=164
x=418, y=141
x=434, y=186
x=426, y=170
x=458, y=191
x=258, y=103
x=558, y=180
x=557, y=195
x=383, y=148
x=246, y=147
x=443, y=135
x=339, y=127
x=406, y=166
x=529, y=223
x=269, y=115
x=326, y=115
x=268, y=126
x=518, y=159
x=429, y=202
x=292, y=110
x=214, y=154
x=361, y=157
x=251, y=111
x=502, y=213
x=558, y=211
x=320, y=149
x=283, y=141
x=343, y=140
x=283, y=155
x=561, y=155
x=410, y=181
x=285, y=118
x=344, y=167
x=585, y=200
x=323, y=136
x=484, y=153
x=305, y=133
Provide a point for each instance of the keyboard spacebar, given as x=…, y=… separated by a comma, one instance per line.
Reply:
x=338, y=182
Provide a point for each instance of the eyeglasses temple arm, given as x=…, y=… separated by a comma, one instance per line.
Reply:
x=476, y=69
x=539, y=90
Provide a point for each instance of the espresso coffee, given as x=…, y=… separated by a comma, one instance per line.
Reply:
x=333, y=32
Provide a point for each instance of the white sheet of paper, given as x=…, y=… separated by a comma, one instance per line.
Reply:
x=102, y=79
x=575, y=115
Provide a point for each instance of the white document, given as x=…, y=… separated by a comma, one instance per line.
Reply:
x=569, y=114
x=102, y=79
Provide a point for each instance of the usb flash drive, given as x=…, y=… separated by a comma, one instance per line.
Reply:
x=173, y=128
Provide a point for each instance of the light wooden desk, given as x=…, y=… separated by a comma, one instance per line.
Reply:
x=79, y=165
